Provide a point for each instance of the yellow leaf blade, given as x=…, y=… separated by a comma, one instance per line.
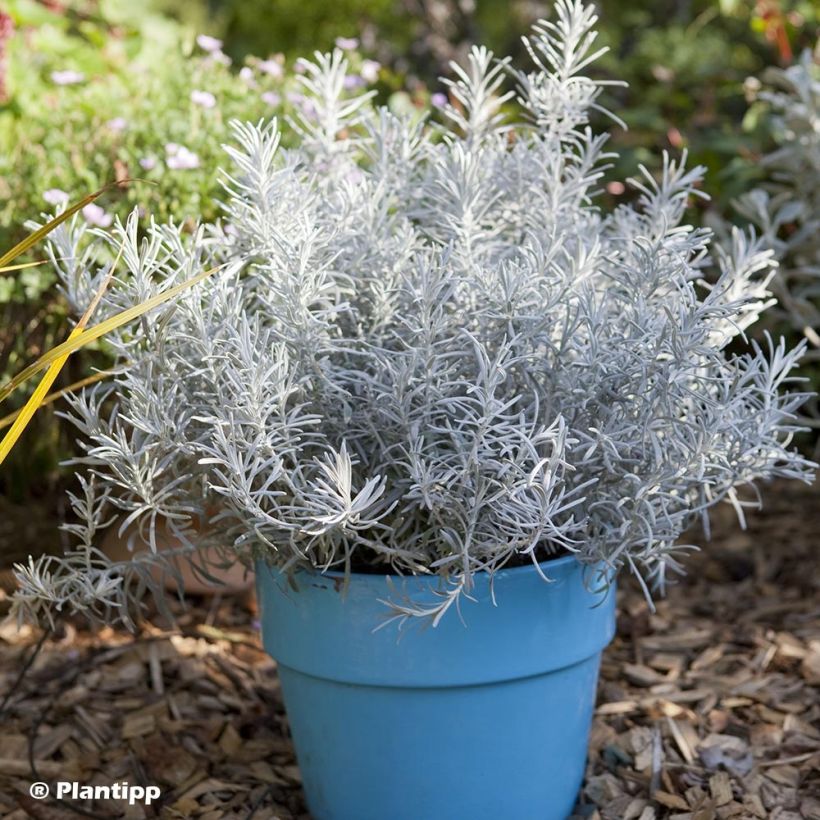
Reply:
x=39, y=395
x=58, y=394
x=21, y=266
x=96, y=331
x=32, y=239
x=36, y=398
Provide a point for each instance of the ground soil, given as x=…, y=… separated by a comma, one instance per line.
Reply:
x=708, y=707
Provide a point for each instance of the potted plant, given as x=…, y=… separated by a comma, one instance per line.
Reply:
x=439, y=398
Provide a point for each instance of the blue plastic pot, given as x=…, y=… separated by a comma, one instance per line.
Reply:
x=487, y=720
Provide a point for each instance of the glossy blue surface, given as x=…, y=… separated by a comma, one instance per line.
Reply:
x=486, y=716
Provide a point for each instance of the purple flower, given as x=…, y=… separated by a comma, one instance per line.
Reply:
x=148, y=163
x=95, y=215
x=305, y=105
x=180, y=158
x=353, y=81
x=347, y=43
x=439, y=100
x=246, y=74
x=67, y=77
x=220, y=57
x=370, y=71
x=54, y=196
x=117, y=124
x=209, y=44
x=272, y=67
x=203, y=98
x=271, y=98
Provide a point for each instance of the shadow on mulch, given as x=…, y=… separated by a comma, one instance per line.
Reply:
x=708, y=707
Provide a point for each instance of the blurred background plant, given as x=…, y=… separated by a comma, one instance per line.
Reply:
x=786, y=206
x=96, y=90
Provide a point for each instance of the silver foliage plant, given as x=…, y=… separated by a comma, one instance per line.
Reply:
x=427, y=351
x=786, y=210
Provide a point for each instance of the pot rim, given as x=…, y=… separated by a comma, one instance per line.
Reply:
x=559, y=562
x=524, y=627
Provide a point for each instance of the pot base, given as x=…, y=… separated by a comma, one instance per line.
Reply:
x=514, y=750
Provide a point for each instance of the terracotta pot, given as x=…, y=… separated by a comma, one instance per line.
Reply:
x=233, y=579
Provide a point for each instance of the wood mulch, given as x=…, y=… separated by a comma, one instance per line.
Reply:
x=708, y=707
